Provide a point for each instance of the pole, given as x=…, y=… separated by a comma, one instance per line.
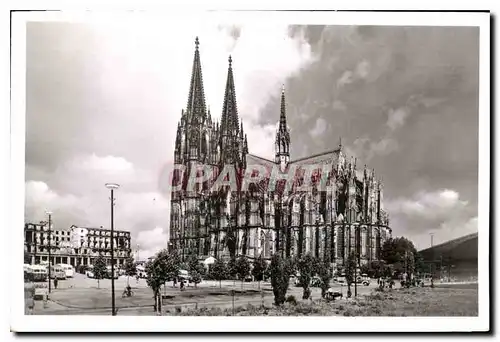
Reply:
x=441, y=267
x=113, y=313
x=50, y=266
x=357, y=261
x=432, y=262
x=232, y=294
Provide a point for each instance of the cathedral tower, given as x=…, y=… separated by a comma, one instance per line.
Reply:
x=282, y=148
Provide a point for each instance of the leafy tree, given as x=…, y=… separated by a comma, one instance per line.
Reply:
x=305, y=266
x=395, y=250
x=242, y=268
x=366, y=269
x=130, y=269
x=377, y=269
x=259, y=267
x=232, y=269
x=196, y=269
x=192, y=262
x=219, y=271
x=162, y=268
x=325, y=273
x=400, y=254
x=196, y=277
x=100, y=269
x=420, y=266
x=280, y=271
x=350, y=270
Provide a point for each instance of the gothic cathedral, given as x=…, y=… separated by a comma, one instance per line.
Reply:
x=259, y=219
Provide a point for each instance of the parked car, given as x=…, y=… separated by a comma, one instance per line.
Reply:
x=363, y=279
x=184, y=275
x=248, y=278
x=340, y=280
x=89, y=272
x=316, y=281
x=108, y=275
x=68, y=270
x=141, y=271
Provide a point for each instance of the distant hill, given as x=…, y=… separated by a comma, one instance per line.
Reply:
x=456, y=258
x=461, y=249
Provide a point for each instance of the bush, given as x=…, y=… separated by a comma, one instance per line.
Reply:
x=377, y=296
x=291, y=299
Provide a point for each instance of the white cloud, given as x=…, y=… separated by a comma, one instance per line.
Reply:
x=447, y=231
x=431, y=205
x=319, y=128
x=151, y=241
x=383, y=147
x=365, y=149
x=346, y=78
x=442, y=213
x=397, y=117
x=363, y=69
x=109, y=164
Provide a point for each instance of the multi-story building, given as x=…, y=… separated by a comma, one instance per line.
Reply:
x=74, y=246
x=269, y=216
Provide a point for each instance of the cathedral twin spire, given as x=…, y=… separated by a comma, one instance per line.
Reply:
x=230, y=121
x=196, y=107
x=231, y=141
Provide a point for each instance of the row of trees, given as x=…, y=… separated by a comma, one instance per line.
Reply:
x=398, y=255
x=100, y=269
x=240, y=268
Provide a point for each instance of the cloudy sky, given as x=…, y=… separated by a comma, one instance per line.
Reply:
x=103, y=101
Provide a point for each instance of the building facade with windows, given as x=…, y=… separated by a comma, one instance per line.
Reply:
x=74, y=246
x=269, y=216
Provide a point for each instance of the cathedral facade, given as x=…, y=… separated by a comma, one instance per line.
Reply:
x=227, y=202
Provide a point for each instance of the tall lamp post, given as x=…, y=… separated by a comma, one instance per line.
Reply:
x=50, y=247
x=357, y=242
x=432, y=262
x=112, y=187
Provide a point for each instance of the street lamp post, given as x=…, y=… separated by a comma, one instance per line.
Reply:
x=112, y=187
x=356, y=247
x=432, y=261
x=50, y=247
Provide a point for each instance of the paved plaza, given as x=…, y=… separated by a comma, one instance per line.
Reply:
x=81, y=295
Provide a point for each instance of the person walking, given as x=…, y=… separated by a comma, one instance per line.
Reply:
x=55, y=283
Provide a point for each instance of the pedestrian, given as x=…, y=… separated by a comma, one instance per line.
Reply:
x=182, y=285
x=175, y=282
x=55, y=283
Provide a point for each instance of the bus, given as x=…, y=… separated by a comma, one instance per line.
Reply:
x=57, y=272
x=38, y=272
x=68, y=269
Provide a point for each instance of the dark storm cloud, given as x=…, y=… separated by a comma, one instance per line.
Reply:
x=403, y=99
